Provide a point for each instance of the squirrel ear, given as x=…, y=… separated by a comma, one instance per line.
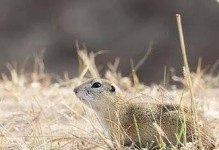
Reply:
x=113, y=89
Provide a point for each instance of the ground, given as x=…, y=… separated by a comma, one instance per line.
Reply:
x=39, y=113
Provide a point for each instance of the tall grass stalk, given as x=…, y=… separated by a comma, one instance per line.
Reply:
x=188, y=77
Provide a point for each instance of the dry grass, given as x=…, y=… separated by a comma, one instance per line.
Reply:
x=38, y=114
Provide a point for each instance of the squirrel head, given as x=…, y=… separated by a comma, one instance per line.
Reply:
x=97, y=93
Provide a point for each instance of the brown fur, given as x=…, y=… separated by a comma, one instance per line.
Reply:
x=155, y=122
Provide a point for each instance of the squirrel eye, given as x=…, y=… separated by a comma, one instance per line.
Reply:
x=96, y=85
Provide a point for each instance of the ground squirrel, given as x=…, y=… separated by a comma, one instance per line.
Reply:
x=129, y=121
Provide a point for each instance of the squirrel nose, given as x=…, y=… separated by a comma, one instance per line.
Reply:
x=76, y=90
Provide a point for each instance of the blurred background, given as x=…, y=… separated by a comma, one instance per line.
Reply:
x=124, y=27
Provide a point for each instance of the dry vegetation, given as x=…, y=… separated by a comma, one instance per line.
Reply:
x=39, y=114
